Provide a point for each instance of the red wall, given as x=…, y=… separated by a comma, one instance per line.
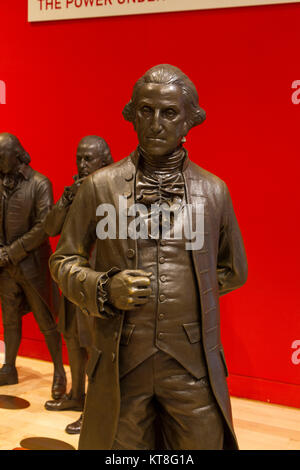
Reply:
x=69, y=79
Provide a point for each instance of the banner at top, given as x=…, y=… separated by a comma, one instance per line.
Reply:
x=47, y=10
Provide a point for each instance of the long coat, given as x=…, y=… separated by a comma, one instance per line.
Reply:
x=21, y=217
x=220, y=267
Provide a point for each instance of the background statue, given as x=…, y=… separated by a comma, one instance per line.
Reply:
x=25, y=282
x=92, y=154
x=157, y=350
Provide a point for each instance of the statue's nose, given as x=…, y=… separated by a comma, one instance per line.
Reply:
x=156, y=122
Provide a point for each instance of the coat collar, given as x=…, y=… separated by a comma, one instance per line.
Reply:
x=193, y=179
x=26, y=171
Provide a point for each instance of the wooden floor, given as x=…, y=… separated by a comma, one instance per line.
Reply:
x=259, y=426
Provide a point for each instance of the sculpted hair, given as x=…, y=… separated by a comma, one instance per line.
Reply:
x=169, y=75
x=15, y=145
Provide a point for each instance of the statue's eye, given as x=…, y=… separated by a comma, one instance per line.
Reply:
x=170, y=113
x=146, y=110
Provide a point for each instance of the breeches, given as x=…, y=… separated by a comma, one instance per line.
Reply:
x=187, y=413
x=15, y=292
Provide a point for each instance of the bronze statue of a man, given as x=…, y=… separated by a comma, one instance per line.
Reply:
x=93, y=153
x=25, y=282
x=155, y=297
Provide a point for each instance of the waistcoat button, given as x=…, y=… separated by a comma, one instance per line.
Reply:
x=162, y=297
x=130, y=253
x=162, y=260
x=163, y=278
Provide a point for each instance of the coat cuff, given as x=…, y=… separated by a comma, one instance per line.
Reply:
x=104, y=309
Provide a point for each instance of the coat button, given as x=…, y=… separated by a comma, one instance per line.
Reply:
x=82, y=276
x=162, y=260
x=162, y=297
x=163, y=242
x=130, y=253
x=129, y=177
x=160, y=335
x=161, y=316
x=163, y=278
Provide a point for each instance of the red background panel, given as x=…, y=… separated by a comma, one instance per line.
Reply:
x=72, y=78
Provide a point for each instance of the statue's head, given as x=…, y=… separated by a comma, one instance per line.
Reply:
x=163, y=108
x=92, y=154
x=12, y=153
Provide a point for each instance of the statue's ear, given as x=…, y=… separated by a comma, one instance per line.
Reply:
x=186, y=128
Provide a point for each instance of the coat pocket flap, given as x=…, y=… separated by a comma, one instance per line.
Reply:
x=193, y=331
x=127, y=331
x=93, y=362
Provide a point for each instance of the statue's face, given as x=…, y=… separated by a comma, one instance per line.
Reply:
x=89, y=158
x=8, y=158
x=160, y=120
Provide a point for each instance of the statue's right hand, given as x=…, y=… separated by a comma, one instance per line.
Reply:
x=70, y=191
x=129, y=289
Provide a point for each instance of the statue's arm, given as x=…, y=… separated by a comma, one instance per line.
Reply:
x=69, y=264
x=232, y=267
x=55, y=219
x=43, y=201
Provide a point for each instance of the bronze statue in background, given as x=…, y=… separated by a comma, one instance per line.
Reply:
x=157, y=351
x=92, y=154
x=25, y=281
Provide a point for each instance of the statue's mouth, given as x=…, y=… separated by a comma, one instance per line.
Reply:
x=156, y=139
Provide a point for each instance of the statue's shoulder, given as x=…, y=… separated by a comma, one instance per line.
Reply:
x=112, y=173
x=36, y=177
x=210, y=181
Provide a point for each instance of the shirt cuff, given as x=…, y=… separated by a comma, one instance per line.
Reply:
x=105, y=310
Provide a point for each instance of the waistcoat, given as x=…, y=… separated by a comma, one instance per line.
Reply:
x=171, y=320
